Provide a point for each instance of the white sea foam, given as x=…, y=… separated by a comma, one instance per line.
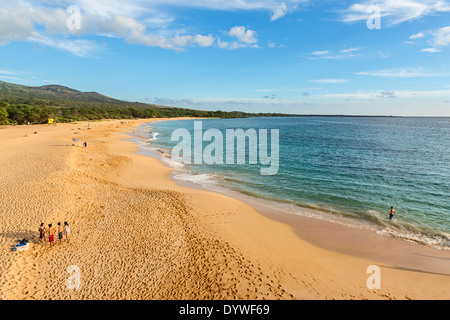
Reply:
x=172, y=163
x=153, y=136
x=438, y=242
x=202, y=179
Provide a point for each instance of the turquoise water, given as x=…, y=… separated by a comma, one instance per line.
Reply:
x=349, y=170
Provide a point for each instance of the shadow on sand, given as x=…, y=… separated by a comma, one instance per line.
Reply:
x=15, y=236
x=424, y=255
x=415, y=270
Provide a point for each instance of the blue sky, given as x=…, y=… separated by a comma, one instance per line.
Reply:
x=292, y=56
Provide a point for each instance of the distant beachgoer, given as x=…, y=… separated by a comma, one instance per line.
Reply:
x=51, y=235
x=85, y=144
x=67, y=231
x=35, y=132
x=391, y=214
x=60, y=232
x=42, y=231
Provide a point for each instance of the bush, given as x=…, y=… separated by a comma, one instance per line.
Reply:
x=3, y=116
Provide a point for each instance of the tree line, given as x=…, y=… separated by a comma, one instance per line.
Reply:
x=39, y=112
x=24, y=114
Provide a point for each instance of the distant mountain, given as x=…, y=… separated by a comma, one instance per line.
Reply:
x=68, y=93
x=58, y=96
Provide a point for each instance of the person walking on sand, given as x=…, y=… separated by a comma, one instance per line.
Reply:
x=42, y=231
x=60, y=232
x=67, y=231
x=391, y=214
x=51, y=235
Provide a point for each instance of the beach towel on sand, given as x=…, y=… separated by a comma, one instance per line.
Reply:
x=22, y=245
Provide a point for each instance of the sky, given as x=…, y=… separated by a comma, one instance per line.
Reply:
x=364, y=57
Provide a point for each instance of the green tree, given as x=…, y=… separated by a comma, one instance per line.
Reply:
x=3, y=116
x=16, y=114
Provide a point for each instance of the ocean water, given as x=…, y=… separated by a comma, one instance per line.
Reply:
x=349, y=170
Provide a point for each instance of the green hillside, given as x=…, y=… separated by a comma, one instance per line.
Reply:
x=57, y=95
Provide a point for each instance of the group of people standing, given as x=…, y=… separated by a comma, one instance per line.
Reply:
x=48, y=234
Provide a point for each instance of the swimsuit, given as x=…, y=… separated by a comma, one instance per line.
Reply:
x=60, y=235
x=67, y=231
x=51, y=238
x=391, y=214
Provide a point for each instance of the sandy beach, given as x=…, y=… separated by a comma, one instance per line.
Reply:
x=136, y=234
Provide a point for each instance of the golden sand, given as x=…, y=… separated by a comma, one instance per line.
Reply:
x=138, y=235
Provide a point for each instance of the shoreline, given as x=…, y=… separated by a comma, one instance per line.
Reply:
x=407, y=230
x=335, y=236
x=139, y=235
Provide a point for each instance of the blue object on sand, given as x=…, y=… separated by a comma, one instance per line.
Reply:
x=22, y=245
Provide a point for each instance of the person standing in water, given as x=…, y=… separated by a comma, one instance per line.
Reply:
x=67, y=231
x=42, y=232
x=391, y=214
x=51, y=235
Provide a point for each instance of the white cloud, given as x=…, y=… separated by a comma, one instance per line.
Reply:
x=9, y=78
x=15, y=25
x=342, y=54
x=386, y=94
x=204, y=41
x=404, y=94
x=399, y=73
x=6, y=72
x=233, y=45
x=18, y=21
x=320, y=53
x=246, y=39
x=78, y=47
x=441, y=37
x=430, y=50
x=329, y=81
x=149, y=23
x=223, y=5
x=135, y=32
x=279, y=12
x=395, y=11
x=245, y=36
x=417, y=36
x=349, y=50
